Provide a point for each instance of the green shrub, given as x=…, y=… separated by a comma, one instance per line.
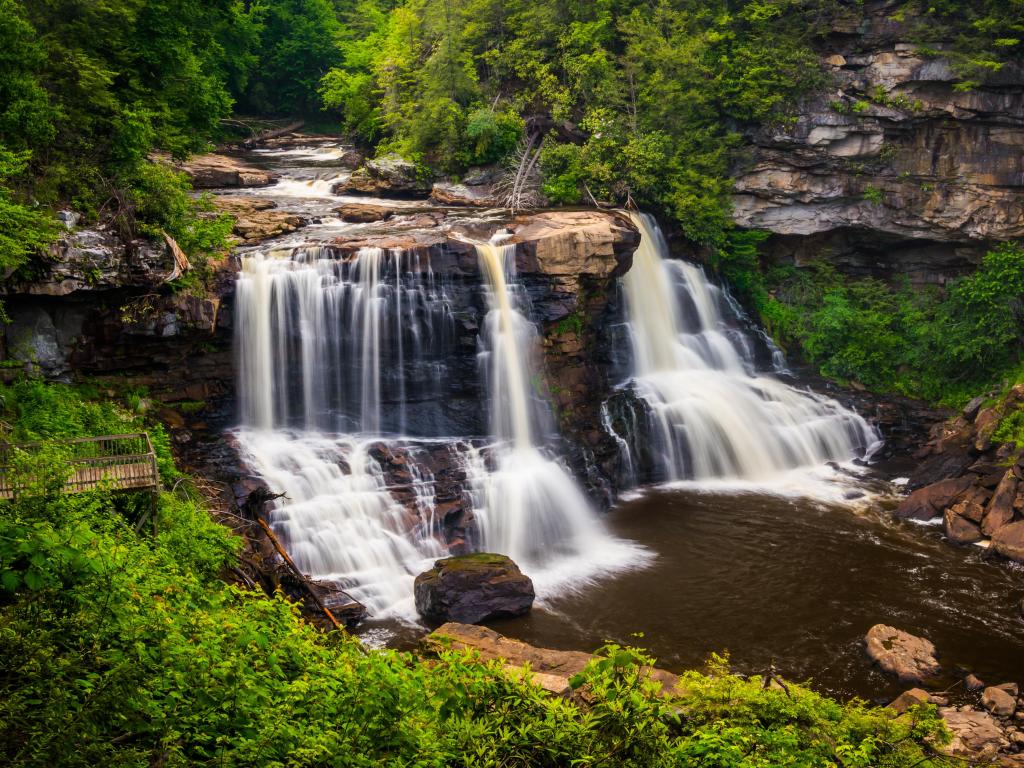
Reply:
x=924, y=342
x=24, y=230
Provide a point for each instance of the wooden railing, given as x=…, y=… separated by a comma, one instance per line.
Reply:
x=115, y=462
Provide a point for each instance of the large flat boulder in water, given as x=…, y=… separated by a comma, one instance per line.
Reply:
x=551, y=669
x=473, y=588
x=218, y=171
x=910, y=658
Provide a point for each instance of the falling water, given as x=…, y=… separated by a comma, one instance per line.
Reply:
x=527, y=505
x=339, y=522
x=326, y=342
x=711, y=415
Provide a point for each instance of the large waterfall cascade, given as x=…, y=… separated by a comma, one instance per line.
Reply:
x=353, y=390
x=712, y=416
x=331, y=348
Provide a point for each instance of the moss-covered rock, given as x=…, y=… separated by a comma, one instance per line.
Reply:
x=473, y=588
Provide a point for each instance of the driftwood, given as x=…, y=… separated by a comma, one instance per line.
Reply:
x=268, y=135
x=298, y=574
x=181, y=262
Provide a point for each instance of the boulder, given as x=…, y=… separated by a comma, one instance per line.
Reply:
x=481, y=196
x=912, y=698
x=999, y=702
x=387, y=176
x=364, y=213
x=999, y=512
x=960, y=530
x=473, y=588
x=910, y=658
x=1008, y=541
x=556, y=666
x=255, y=218
x=973, y=683
x=1011, y=688
x=930, y=501
x=572, y=243
x=976, y=735
x=218, y=171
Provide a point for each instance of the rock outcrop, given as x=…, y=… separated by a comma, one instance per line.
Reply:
x=87, y=261
x=472, y=589
x=890, y=169
x=221, y=171
x=550, y=669
x=976, y=735
x=909, y=658
x=256, y=218
x=387, y=176
x=975, y=484
x=476, y=196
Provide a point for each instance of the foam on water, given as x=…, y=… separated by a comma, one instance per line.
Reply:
x=713, y=417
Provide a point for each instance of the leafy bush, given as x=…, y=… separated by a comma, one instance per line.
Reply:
x=942, y=346
x=24, y=231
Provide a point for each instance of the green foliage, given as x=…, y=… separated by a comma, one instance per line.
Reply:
x=294, y=47
x=24, y=231
x=926, y=343
x=659, y=89
x=986, y=34
x=159, y=201
x=120, y=649
x=873, y=194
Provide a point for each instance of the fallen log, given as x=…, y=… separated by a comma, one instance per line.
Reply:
x=268, y=135
x=298, y=574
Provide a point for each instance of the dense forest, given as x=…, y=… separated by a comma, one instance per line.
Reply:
x=122, y=649
x=628, y=102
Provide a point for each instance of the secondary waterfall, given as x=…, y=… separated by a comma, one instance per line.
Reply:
x=527, y=505
x=339, y=522
x=712, y=415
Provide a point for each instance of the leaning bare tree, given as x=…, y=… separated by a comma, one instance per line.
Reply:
x=519, y=186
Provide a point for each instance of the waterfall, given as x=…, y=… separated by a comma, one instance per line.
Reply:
x=712, y=415
x=339, y=522
x=527, y=505
x=324, y=344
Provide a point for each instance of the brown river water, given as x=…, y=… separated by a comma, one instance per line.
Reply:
x=790, y=581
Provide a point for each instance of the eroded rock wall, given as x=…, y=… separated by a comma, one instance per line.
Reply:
x=890, y=169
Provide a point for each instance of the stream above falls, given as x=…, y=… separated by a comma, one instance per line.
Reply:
x=399, y=404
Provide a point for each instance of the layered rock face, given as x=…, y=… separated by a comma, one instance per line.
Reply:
x=102, y=308
x=890, y=170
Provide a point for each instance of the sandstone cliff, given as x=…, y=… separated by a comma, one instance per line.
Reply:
x=890, y=169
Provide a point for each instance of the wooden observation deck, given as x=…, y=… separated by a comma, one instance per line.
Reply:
x=111, y=462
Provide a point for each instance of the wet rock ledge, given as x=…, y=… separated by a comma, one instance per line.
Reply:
x=972, y=482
